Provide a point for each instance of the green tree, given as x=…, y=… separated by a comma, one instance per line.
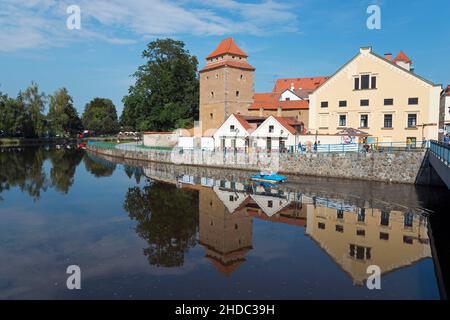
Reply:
x=34, y=102
x=100, y=115
x=62, y=116
x=165, y=95
x=13, y=117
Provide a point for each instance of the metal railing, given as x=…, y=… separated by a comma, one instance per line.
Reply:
x=441, y=151
x=380, y=147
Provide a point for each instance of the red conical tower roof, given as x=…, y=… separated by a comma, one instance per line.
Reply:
x=227, y=46
x=402, y=57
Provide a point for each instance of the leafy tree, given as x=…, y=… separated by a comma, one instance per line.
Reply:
x=165, y=95
x=34, y=103
x=100, y=115
x=62, y=115
x=13, y=117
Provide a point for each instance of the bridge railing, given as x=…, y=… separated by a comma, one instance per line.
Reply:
x=441, y=151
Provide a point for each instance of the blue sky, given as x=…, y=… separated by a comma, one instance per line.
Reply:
x=283, y=38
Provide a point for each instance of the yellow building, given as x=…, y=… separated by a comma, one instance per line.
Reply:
x=379, y=95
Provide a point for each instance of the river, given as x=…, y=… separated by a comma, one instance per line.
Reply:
x=154, y=231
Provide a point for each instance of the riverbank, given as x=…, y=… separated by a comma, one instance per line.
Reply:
x=25, y=142
x=391, y=167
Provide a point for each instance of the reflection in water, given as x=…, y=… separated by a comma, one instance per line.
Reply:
x=98, y=167
x=167, y=220
x=162, y=231
x=23, y=168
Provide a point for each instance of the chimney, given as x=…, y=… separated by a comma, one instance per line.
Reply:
x=388, y=56
x=292, y=86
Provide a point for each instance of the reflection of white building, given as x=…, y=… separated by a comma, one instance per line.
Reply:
x=231, y=194
x=270, y=205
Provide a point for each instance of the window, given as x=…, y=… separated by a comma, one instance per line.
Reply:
x=408, y=220
x=339, y=228
x=407, y=240
x=287, y=99
x=340, y=214
x=321, y=225
x=217, y=76
x=413, y=101
x=384, y=236
x=237, y=93
x=362, y=215
x=271, y=129
x=364, y=121
x=242, y=76
x=232, y=128
x=412, y=120
x=384, y=221
x=365, y=79
x=212, y=94
x=270, y=204
x=364, y=103
x=342, y=120
x=231, y=198
x=373, y=83
x=361, y=233
x=388, y=102
x=343, y=103
x=360, y=252
x=356, y=83
x=388, y=120
x=324, y=104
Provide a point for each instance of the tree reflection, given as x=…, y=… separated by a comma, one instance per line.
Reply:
x=22, y=168
x=167, y=219
x=136, y=172
x=64, y=163
x=98, y=167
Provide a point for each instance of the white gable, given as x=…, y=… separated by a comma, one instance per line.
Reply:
x=264, y=129
x=289, y=95
x=231, y=127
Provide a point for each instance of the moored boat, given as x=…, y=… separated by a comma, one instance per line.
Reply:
x=268, y=177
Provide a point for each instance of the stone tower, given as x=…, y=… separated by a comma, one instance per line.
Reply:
x=226, y=85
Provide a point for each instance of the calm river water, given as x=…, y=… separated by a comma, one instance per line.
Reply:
x=153, y=231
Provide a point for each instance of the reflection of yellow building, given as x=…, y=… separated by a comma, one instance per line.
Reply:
x=227, y=236
x=390, y=240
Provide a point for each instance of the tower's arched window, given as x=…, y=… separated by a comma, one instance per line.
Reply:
x=212, y=94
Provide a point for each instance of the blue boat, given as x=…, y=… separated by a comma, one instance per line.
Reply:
x=268, y=177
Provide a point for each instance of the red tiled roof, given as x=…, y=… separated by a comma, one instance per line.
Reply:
x=227, y=46
x=287, y=123
x=229, y=63
x=242, y=121
x=310, y=83
x=402, y=57
x=269, y=101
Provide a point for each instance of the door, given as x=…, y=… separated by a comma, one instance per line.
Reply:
x=282, y=145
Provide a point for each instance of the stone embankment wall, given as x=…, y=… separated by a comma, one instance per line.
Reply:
x=396, y=167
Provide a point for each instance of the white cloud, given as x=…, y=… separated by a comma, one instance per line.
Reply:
x=42, y=23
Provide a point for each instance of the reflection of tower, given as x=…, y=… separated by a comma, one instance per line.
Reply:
x=227, y=236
